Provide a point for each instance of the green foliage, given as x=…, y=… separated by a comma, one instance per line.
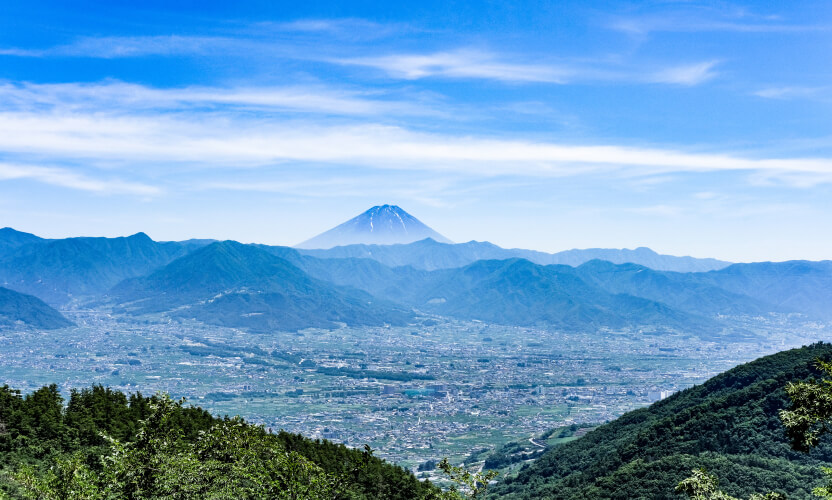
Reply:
x=30, y=310
x=826, y=490
x=703, y=486
x=810, y=417
x=806, y=421
x=467, y=484
x=811, y=412
x=108, y=445
x=68, y=478
x=230, y=459
x=729, y=425
x=375, y=479
x=271, y=293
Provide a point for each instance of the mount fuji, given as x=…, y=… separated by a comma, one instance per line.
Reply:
x=380, y=225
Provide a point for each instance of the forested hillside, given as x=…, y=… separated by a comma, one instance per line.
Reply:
x=729, y=425
x=105, y=444
x=19, y=308
x=235, y=285
x=57, y=271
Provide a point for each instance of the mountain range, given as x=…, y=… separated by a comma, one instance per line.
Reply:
x=235, y=285
x=513, y=291
x=390, y=235
x=266, y=288
x=430, y=255
x=59, y=270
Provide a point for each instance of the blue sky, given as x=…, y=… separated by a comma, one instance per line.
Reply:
x=696, y=128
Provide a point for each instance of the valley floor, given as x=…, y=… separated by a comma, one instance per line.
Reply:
x=414, y=394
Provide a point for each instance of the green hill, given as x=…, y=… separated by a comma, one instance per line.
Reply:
x=16, y=308
x=797, y=285
x=519, y=292
x=57, y=271
x=685, y=291
x=728, y=425
x=514, y=291
x=235, y=285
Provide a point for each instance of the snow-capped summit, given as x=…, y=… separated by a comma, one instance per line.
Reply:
x=380, y=225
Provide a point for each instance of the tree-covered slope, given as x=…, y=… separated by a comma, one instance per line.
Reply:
x=728, y=425
x=798, y=285
x=685, y=291
x=16, y=308
x=58, y=270
x=172, y=450
x=514, y=291
x=519, y=292
x=231, y=284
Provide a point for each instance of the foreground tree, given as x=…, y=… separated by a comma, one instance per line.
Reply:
x=703, y=486
x=467, y=484
x=231, y=459
x=809, y=418
x=169, y=457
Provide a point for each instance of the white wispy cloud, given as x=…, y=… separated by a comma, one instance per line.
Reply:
x=66, y=178
x=349, y=28
x=208, y=141
x=481, y=64
x=113, y=47
x=463, y=63
x=693, y=18
x=266, y=39
x=792, y=92
x=459, y=63
x=689, y=74
x=112, y=95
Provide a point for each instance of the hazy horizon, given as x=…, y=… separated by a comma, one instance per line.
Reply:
x=297, y=245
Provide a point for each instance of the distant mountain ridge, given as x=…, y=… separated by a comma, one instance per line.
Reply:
x=430, y=255
x=383, y=225
x=517, y=290
x=797, y=285
x=266, y=288
x=11, y=239
x=59, y=270
x=235, y=285
x=512, y=291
